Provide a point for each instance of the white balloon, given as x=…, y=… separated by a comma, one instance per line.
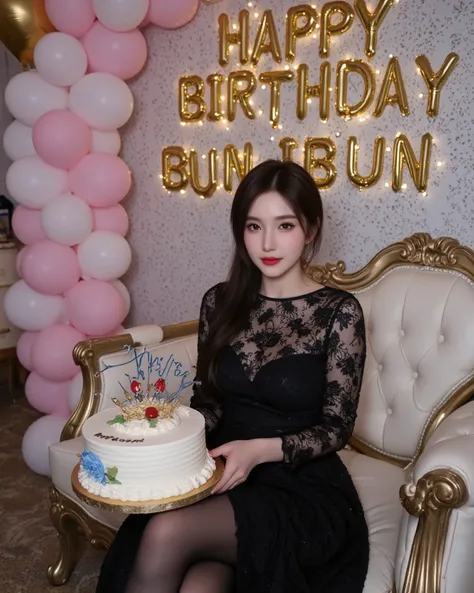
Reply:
x=121, y=15
x=38, y=437
x=60, y=59
x=28, y=97
x=108, y=142
x=75, y=392
x=18, y=141
x=104, y=256
x=123, y=290
x=103, y=100
x=67, y=219
x=33, y=183
x=30, y=310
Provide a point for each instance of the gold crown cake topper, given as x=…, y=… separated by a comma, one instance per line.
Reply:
x=153, y=403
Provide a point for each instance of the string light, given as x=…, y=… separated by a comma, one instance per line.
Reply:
x=421, y=95
x=338, y=134
x=439, y=163
x=387, y=184
x=404, y=185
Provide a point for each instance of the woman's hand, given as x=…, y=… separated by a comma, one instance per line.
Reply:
x=241, y=457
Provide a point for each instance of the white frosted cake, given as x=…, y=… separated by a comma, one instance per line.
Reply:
x=152, y=448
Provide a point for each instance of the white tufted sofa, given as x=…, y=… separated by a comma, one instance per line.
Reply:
x=412, y=452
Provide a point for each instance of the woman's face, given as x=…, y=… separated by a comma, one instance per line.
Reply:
x=273, y=236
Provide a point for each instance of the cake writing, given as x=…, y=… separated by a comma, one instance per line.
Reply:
x=116, y=439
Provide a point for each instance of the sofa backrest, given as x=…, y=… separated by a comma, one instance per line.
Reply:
x=420, y=351
x=418, y=302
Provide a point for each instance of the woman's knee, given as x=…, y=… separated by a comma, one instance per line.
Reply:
x=163, y=531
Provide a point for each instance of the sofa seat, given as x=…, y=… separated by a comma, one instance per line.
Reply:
x=377, y=482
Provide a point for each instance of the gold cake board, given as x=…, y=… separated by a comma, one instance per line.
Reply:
x=146, y=506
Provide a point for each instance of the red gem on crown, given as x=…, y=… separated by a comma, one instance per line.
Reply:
x=160, y=385
x=136, y=387
x=151, y=413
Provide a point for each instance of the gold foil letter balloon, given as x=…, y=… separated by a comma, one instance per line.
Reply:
x=294, y=30
x=403, y=153
x=241, y=86
x=239, y=37
x=22, y=24
x=393, y=75
x=328, y=27
x=377, y=163
x=266, y=28
x=274, y=80
x=173, y=165
x=232, y=162
x=344, y=68
x=372, y=22
x=321, y=91
x=206, y=191
x=326, y=163
x=191, y=93
x=435, y=81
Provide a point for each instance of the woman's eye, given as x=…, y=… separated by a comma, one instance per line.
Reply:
x=286, y=226
x=252, y=226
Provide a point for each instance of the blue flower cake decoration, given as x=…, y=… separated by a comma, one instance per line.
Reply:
x=94, y=467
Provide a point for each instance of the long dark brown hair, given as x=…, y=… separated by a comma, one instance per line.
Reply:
x=238, y=295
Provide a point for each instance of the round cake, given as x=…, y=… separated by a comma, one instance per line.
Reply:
x=149, y=452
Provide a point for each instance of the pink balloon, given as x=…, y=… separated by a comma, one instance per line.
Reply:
x=122, y=54
x=145, y=22
x=100, y=179
x=23, y=349
x=71, y=16
x=95, y=307
x=172, y=14
x=114, y=219
x=61, y=138
x=50, y=268
x=47, y=396
x=52, y=352
x=26, y=224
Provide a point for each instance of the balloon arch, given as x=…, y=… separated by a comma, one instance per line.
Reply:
x=68, y=181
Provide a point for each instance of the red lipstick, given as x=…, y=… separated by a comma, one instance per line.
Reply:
x=270, y=261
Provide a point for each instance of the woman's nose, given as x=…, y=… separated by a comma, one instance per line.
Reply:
x=268, y=241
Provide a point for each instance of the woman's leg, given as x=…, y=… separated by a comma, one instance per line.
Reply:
x=208, y=577
x=173, y=541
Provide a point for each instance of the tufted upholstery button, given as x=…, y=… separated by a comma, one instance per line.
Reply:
x=415, y=375
x=389, y=411
x=401, y=333
x=380, y=367
x=441, y=339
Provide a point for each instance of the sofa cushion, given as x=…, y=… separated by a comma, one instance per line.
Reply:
x=378, y=483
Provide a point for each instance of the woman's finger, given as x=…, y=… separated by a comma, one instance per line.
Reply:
x=224, y=480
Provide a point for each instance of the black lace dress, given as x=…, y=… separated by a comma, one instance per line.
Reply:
x=294, y=372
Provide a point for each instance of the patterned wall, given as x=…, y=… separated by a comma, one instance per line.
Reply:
x=182, y=243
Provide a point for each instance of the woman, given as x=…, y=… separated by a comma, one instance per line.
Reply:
x=280, y=360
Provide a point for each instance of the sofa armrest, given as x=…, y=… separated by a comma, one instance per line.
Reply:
x=442, y=481
x=450, y=447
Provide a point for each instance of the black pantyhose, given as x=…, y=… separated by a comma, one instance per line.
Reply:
x=189, y=550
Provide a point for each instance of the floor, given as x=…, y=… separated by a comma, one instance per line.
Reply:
x=27, y=539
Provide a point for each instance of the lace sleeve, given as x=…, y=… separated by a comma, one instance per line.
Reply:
x=344, y=372
x=200, y=401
